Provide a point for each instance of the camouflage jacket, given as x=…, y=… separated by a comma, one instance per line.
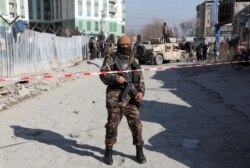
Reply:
x=114, y=89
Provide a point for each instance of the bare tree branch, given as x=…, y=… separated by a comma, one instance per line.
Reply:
x=152, y=30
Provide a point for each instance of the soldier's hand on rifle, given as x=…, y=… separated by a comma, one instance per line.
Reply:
x=121, y=80
x=139, y=96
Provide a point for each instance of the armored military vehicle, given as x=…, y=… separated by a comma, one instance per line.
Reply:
x=155, y=52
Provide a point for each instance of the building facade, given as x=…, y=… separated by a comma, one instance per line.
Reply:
x=203, y=23
x=232, y=16
x=10, y=9
x=90, y=16
x=241, y=17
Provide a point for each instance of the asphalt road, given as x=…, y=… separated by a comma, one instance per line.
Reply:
x=192, y=117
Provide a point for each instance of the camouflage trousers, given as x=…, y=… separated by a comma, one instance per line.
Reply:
x=115, y=115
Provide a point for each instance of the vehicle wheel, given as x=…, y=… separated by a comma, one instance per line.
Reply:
x=158, y=59
x=237, y=62
x=183, y=57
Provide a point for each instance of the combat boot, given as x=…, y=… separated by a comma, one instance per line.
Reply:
x=139, y=154
x=108, y=159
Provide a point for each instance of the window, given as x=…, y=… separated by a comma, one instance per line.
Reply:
x=58, y=9
x=80, y=25
x=88, y=8
x=47, y=10
x=12, y=5
x=38, y=8
x=167, y=48
x=175, y=48
x=30, y=9
x=96, y=26
x=96, y=13
x=12, y=15
x=88, y=26
x=96, y=8
x=80, y=7
x=22, y=4
x=123, y=29
x=104, y=5
x=112, y=27
x=80, y=2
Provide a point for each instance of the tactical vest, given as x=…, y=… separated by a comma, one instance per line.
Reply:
x=125, y=64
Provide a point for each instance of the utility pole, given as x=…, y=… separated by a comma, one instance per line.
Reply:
x=217, y=42
x=217, y=34
x=215, y=23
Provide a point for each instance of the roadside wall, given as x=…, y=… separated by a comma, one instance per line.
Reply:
x=31, y=52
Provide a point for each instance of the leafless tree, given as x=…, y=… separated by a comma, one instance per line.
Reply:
x=175, y=32
x=187, y=28
x=130, y=33
x=193, y=29
x=152, y=30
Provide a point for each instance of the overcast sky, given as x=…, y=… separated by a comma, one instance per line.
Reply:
x=141, y=12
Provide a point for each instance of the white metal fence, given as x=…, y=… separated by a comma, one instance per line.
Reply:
x=31, y=51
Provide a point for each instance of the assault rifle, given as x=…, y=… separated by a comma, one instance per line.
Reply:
x=129, y=90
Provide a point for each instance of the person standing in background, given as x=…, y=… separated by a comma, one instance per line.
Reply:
x=92, y=48
x=204, y=50
x=165, y=33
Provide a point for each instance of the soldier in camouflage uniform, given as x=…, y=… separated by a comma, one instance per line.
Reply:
x=117, y=103
x=109, y=48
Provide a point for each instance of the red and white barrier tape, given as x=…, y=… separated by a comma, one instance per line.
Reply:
x=82, y=74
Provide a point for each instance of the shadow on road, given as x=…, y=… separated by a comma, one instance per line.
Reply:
x=52, y=138
x=224, y=137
